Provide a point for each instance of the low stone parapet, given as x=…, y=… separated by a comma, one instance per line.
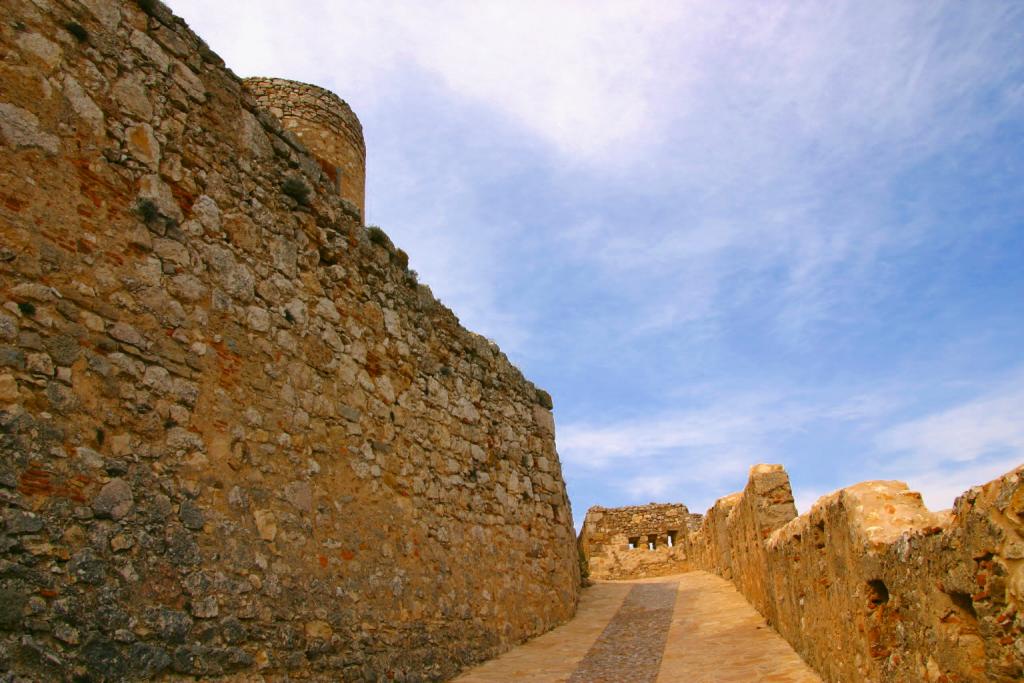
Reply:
x=870, y=585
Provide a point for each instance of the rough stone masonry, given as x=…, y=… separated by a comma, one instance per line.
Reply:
x=237, y=438
x=636, y=541
x=869, y=585
x=325, y=124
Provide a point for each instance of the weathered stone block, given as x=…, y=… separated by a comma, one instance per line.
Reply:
x=114, y=500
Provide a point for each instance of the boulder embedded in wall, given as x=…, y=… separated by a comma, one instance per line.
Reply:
x=114, y=500
x=20, y=129
x=142, y=144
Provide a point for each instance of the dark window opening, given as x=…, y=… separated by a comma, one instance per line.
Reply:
x=964, y=603
x=634, y=541
x=878, y=593
x=652, y=541
x=671, y=538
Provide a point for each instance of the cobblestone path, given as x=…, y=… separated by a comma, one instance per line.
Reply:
x=633, y=640
x=689, y=628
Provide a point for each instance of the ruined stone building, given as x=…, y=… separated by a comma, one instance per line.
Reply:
x=237, y=437
x=636, y=541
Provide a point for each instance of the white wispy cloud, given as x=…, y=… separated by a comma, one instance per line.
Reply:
x=770, y=136
x=697, y=455
x=947, y=451
x=786, y=150
x=989, y=423
x=599, y=77
x=463, y=266
x=940, y=487
x=763, y=115
x=701, y=454
x=724, y=420
x=581, y=75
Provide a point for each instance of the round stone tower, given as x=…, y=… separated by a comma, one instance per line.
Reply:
x=325, y=124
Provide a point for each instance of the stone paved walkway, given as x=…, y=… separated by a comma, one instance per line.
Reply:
x=633, y=640
x=692, y=628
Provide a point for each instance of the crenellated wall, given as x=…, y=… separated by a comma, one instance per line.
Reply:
x=615, y=542
x=871, y=586
x=237, y=438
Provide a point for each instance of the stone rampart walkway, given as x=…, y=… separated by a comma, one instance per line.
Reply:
x=692, y=628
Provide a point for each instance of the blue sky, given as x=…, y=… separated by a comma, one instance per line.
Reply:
x=718, y=233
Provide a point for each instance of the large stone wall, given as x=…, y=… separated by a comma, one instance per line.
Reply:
x=616, y=542
x=236, y=437
x=325, y=124
x=871, y=586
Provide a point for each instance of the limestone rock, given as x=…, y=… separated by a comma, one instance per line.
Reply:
x=319, y=629
x=20, y=129
x=126, y=333
x=191, y=515
x=8, y=388
x=114, y=500
x=266, y=523
x=130, y=92
x=142, y=145
x=83, y=105
x=153, y=188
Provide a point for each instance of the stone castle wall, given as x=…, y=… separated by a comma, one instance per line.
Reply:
x=325, y=124
x=871, y=586
x=237, y=439
x=615, y=542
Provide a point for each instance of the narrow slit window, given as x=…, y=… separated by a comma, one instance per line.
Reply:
x=634, y=541
x=671, y=539
x=652, y=541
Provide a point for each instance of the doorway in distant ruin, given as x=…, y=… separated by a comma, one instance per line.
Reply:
x=634, y=542
x=652, y=541
x=671, y=538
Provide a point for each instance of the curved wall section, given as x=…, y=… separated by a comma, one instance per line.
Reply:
x=238, y=441
x=325, y=124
